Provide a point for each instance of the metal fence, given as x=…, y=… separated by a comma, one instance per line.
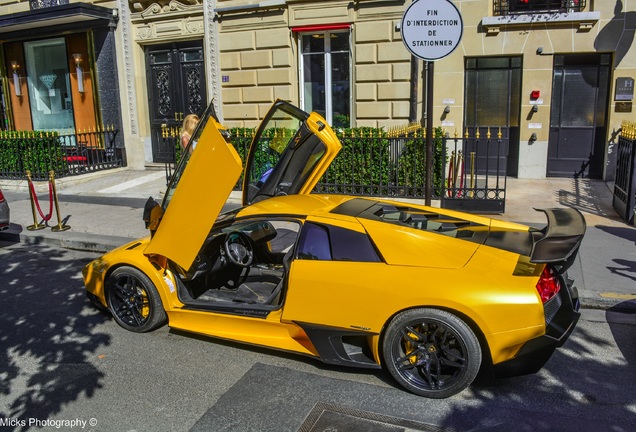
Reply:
x=372, y=162
x=469, y=172
x=477, y=171
x=624, y=200
x=65, y=154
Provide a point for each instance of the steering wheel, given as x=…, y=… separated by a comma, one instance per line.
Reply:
x=238, y=248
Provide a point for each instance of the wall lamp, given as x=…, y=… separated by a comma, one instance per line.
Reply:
x=16, y=78
x=80, y=75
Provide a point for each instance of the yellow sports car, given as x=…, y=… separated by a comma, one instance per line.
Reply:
x=432, y=295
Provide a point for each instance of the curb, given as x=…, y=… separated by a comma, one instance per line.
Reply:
x=40, y=186
x=72, y=240
x=602, y=303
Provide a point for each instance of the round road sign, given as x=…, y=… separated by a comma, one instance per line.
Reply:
x=432, y=29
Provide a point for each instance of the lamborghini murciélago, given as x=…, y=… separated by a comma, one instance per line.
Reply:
x=431, y=295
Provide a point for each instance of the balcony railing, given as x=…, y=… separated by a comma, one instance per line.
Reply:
x=517, y=7
x=41, y=4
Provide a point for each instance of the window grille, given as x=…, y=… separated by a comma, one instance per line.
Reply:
x=41, y=4
x=517, y=7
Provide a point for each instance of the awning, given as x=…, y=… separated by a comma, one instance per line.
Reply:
x=56, y=18
x=320, y=27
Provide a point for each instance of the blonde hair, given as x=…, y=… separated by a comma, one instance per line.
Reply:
x=189, y=123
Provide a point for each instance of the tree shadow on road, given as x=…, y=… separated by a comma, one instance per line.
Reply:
x=581, y=377
x=47, y=333
x=624, y=267
x=621, y=319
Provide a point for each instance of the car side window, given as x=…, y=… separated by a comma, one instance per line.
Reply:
x=314, y=243
x=324, y=242
x=348, y=245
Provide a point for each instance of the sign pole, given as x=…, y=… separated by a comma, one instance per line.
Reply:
x=430, y=70
x=431, y=30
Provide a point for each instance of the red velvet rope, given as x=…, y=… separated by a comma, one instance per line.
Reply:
x=37, y=203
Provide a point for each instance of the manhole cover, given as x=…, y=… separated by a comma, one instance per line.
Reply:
x=326, y=417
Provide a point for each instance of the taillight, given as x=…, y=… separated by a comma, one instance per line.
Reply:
x=1, y=196
x=549, y=284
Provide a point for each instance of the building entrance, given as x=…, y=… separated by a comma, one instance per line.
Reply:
x=176, y=88
x=578, y=130
x=493, y=95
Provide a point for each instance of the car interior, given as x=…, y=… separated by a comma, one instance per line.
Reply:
x=243, y=265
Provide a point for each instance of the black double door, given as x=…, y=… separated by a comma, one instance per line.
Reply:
x=578, y=120
x=176, y=88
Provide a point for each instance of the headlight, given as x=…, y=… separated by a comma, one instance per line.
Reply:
x=98, y=265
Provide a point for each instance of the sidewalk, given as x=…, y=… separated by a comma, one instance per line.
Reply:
x=104, y=210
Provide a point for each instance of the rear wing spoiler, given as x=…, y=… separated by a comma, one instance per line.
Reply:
x=560, y=240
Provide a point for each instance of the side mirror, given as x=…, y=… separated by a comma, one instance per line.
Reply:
x=152, y=215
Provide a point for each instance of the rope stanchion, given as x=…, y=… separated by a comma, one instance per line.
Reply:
x=461, y=175
x=456, y=167
x=61, y=226
x=451, y=180
x=471, y=194
x=33, y=198
x=455, y=174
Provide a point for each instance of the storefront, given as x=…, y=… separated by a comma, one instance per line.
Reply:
x=60, y=69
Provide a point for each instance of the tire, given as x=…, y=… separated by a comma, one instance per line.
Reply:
x=431, y=352
x=134, y=301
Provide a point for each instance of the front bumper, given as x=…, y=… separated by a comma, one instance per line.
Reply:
x=562, y=314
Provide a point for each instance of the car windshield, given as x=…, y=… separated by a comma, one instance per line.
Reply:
x=208, y=115
x=276, y=135
x=283, y=154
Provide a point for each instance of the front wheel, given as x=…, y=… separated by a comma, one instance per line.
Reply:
x=134, y=301
x=431, y=352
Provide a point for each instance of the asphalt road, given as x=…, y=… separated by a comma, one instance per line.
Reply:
x=61, y=360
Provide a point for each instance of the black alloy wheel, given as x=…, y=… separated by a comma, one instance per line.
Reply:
x=431, y=352
x=134, y=301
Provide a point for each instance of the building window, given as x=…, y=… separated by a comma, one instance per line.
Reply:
x=508, y=7
x=325, y=78
x=49, y=86
x=493, y=91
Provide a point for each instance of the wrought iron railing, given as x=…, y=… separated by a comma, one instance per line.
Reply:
x=66, y=154
x=515, y=7
x=41, y=4
x=624, y=200
x=476, y=167
x=372, y=162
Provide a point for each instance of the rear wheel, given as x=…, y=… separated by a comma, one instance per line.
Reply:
x=431, y=352
x=134, y=301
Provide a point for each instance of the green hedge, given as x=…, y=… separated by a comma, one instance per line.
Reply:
x=370, y=162
x=34, y=151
